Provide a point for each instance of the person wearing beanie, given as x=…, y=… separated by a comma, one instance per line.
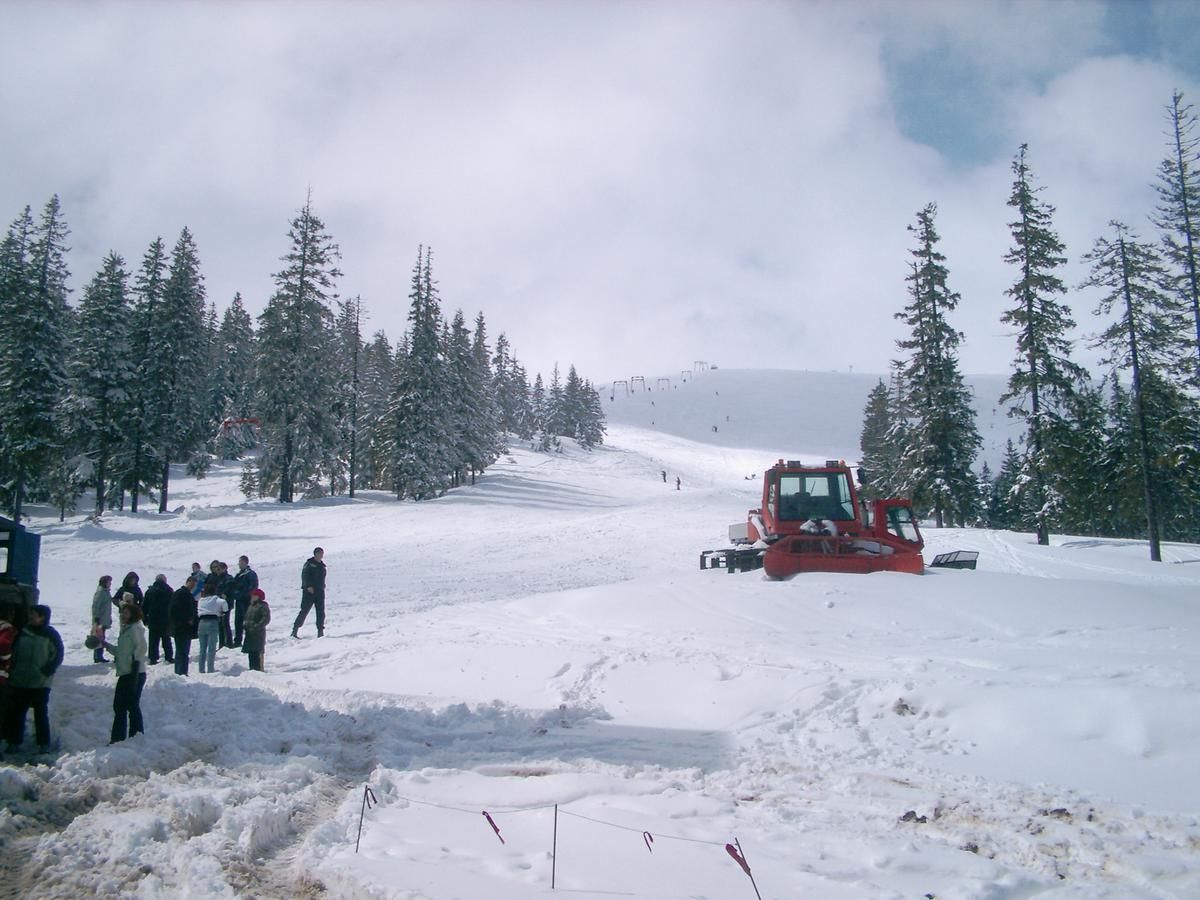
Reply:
x=254, y=638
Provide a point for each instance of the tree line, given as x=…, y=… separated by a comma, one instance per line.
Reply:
x=1116, y=454
x=104, y=395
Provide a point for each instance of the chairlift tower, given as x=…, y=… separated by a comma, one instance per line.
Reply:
x=635, y=380
x=613, y=391
x=699, y=366
x=659, y=384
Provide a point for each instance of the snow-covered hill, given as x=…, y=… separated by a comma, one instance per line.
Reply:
x=546, y=637
x=786, y=413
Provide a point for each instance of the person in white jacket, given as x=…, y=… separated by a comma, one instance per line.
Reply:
x=209, y=610
x=130, y=655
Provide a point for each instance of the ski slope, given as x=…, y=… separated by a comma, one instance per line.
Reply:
x=1030, y=729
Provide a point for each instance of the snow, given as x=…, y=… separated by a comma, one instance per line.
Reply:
x=546, y=637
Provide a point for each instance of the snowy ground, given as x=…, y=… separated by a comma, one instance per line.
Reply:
x=546, y=637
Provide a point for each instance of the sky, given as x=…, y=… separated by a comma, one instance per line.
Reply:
x=629, y=187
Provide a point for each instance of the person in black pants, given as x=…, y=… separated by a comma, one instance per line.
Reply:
x=312, y=592
x=129, y=656
x=243, y=584
x=183, y=623
x=156, y=612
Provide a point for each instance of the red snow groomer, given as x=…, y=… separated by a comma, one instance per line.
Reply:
x=811, y=521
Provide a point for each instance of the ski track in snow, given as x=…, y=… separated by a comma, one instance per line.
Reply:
x=546, y=637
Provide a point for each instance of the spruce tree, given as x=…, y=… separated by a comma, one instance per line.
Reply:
x=295, y=391
x=16, y=293
x=33, y=278
x=375, y=435
x=1142, y=338
x=102, y=371
x=942, y=444
x=1043, y=377
x=591, y=426
x=1178, y=216
x=876, y=460
x=175, y=366
x=236, y=366
x=421, y=448
x=489, y=441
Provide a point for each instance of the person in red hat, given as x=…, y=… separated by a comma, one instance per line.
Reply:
x=254, y=627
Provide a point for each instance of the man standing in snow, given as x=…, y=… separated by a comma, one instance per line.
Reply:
x=156, y=612
x=312, y=592
x=183, y=623
x=244, y=583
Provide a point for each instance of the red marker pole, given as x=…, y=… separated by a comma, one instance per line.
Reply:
x=554, y=851
x=736, y=853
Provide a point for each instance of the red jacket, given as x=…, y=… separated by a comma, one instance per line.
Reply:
x=7, y=635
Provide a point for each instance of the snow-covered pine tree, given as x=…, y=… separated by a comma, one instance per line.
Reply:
x=376, y=431
x=134, y=467
x=421, y=459
x=537, y=405
x=876, y=461
x=212, y=393
x=16, y=293
x=518, y=392
x=502, y=386
x=33, y=275
x=1178, y=217
x=1043, y=377
x=462, y=397
x=1004, y=505
x=294, y=390
x=591, y=427
x=944, y=439
x=1078, y=463
x=345, y=359
x=176, y=365
x=101, y=371
x=237, y=364
x=1142, y=339
x=556, y=421
x=488, y=442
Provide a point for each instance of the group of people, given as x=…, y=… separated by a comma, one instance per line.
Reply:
x=200, y=609
x=216, y=608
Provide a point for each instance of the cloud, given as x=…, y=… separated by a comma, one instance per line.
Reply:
x=625, y=186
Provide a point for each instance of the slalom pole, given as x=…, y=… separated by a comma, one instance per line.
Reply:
x=367, y=792
x=554, y=851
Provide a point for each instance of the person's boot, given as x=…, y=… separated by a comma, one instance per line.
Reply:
x=294, y=634
x=320, y=632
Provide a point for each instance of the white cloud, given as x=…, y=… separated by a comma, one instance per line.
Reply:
x=625, y=186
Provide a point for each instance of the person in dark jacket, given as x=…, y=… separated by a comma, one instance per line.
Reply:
x=182, y=616
x=258, y=617
x=37, y=654
x=243, y=584
x=156, y=611
x=129, y=586
x=220, y=579
x=312, y=592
